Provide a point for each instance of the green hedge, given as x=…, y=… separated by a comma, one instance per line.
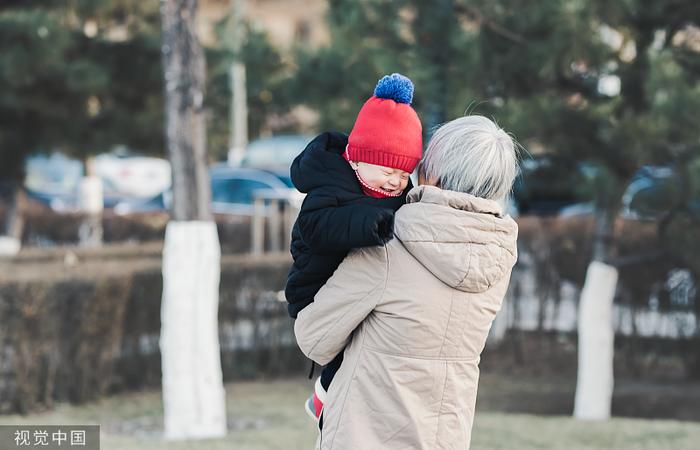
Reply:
x=75, y=332
x=76, y=324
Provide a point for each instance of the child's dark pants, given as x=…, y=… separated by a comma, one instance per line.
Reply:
x=329, y=371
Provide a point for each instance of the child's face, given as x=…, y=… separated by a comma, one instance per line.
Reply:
x=392, y=181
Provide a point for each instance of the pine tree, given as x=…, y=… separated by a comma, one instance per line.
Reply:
x=77, y=77
x=615, y=84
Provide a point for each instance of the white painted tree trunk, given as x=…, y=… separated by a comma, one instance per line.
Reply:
x=11, y=242
x=594, y=387
x=9, y=246
x=91, y=195
x=91, y=202
x=193, y=391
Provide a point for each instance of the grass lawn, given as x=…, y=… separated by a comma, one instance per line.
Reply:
x=268, y=415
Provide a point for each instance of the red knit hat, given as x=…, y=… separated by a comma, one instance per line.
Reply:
x=387, y=130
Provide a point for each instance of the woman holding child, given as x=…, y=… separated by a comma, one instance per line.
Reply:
x=410, y=314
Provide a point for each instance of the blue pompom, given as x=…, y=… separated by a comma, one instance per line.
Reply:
x=395, y=87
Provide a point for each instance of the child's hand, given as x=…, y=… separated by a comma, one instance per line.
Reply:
x=385, y=226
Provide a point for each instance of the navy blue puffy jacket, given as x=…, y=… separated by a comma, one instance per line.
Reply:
x=335, y=217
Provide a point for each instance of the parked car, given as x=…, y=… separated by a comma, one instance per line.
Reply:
x=652, y=191
x=274, y=153
x=233, y=192
x=283, y=175
x=130, y=175
x=546, y=185
x=53, y=172
x=68, y=203
x=54, y=179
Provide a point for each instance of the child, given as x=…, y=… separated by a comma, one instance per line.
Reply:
x=354, y=185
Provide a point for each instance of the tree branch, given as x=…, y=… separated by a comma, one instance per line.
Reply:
x=495, y=27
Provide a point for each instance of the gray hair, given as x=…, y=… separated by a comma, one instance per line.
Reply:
x=472, y=154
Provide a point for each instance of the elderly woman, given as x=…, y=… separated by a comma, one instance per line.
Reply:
x=413, y=315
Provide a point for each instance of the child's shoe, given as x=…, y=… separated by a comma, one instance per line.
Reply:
x=314, y=404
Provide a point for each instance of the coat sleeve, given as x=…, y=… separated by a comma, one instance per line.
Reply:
x=324, y=328
x=327, y=227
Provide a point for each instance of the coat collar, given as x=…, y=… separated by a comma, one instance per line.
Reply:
x=453, y=199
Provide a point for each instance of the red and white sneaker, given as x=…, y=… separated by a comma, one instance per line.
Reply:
x=314, y=404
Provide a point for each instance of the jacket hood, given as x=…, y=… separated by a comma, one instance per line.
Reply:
x=319, y=164
x=463, y=240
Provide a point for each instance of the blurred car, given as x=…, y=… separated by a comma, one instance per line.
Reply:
x=233, y=192
x=129, y=175
x=158, y=203
x=61, y=202
x=53, y=180
x=546, y=185
x=55, y=172
x=651, y=193
x=274, y=153
x=283, y=175
x=577, y=210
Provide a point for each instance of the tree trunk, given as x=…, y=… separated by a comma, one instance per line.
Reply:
x=11, y=241
x=183, y=64
x=91, y=204
x=239, y=114
x=238, y=138
x=594, y=386
x=193, y=392
x=516, y=334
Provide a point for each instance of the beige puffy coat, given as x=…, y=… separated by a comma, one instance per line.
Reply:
x=413, y=317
